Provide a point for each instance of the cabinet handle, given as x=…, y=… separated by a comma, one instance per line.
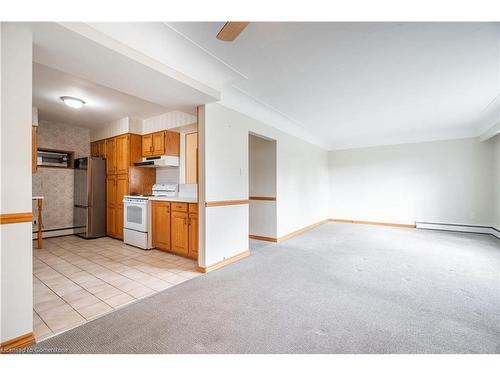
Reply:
x=185, y=221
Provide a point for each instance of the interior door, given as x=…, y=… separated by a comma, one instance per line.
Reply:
x=192, y=158
x=122, y=154
x=110, y=156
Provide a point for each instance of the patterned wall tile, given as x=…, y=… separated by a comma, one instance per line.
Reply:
x=56, y=185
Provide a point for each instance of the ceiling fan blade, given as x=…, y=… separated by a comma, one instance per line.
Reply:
x=231, y=30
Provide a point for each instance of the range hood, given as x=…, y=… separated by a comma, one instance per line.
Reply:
x=159, y=161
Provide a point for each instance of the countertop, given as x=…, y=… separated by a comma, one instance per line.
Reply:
x=177, y=198
x=37, y=197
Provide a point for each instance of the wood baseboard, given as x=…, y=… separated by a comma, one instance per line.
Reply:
x=302, y=230
x=17, y=343
x=224, y=262
x=262, y=238
x=16, y=217
x=374, y=223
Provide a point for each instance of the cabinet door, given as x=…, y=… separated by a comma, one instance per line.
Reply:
x=110, y=205
x=94, y=149
x=121, y=189
x=110, y=156
x=161, y=225
x=101, y=149
x=122, y=154
x=147, y=145
x=172, y=143
x=193, y=235
x=158, y=143
x=179, y=232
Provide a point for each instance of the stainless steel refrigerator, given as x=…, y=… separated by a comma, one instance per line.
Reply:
x=89, y=213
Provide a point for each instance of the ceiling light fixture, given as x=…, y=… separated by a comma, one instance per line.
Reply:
x=72, y=102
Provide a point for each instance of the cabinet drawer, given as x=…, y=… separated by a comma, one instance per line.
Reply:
x=193, y=207
x=179, y=207
x=162, y=204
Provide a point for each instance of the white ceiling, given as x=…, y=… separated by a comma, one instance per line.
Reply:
x=103, y=105
x=359, y=84
x=114, y=80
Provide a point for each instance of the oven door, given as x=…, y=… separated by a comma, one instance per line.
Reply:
x=135, y=216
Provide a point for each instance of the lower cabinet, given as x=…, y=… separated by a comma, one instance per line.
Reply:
x=175, y=227
x=161, y=225
x=193, y=235
x=180, y=236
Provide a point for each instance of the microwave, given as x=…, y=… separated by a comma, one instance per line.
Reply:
x=54, y=158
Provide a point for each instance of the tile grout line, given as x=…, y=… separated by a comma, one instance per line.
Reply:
x=81, y=286
x=86, y=258
x=44, y=322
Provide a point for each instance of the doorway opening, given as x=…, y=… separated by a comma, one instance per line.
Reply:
x=262, y=180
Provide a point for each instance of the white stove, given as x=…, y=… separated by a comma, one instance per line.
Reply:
x=165, y=190
x=137, y=221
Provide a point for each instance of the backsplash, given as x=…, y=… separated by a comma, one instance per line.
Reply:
x=167, y=175
x=56, y=185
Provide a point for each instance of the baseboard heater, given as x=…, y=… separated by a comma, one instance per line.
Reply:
x=459, y=228
x=58, y=232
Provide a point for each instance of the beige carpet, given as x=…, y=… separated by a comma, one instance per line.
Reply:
x=340, y=288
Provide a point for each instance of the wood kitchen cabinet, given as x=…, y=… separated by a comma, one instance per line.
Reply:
x=116, y=188
x=98, y=149
x=193, y=231
x=175, y=227
x=122, y=155
x=161, y=143
x=111, y=227
x=110, y=156
x=121, y=152
x=153, y=144
x=161, y=224
x=179, y=232
x=172, y=143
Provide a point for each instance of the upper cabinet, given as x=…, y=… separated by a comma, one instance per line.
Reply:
x=98, y=149
x=161, y=143
x=153, y=144
x=172, y=143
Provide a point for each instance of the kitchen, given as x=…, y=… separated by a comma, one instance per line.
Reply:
x=146, y=206
x=115, y=199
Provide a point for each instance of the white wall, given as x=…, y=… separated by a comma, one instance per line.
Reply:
x=112, y=129
x=496, y=176
x=169, y=120
x=262, y=183
x=302, y=180
x=16, y=291
x=442, y=182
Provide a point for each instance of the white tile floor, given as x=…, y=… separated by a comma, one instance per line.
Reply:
x=77, y=280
